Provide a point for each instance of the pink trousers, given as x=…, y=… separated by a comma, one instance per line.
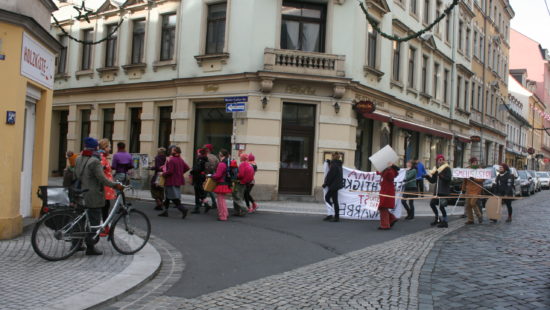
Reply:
x=222, y=207
x=386, y=218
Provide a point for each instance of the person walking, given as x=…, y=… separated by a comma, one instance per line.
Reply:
x=334, y=182
x=157, y=190
x=122, y=163
x=472, y=187
x=442, y=179
x=223, y=180
x=248, y=199
x=420, y=173
x=411, y=187
x=387, y=196
x=89, y=171
x=505, y=188
x=104, y=151
x=173, y=172
x=198, y=175
x=210, y=167
x=245, y=175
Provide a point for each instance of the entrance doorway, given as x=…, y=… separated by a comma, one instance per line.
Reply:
x=213, y=126
x=62, y=147
x=27, y=152
x=297, y=142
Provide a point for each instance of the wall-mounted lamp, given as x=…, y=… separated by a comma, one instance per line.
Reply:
x=336, y=107
x=264, y=102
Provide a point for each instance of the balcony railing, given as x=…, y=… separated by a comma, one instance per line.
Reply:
x=299, y=62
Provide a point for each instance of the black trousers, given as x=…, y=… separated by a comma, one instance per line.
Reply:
x=332, y=199
x=247, y=197
x=508, y=203
x=200, y=194
x=94, y=216
x=177, y=202
x=442, y=205
x=420, y=186
x=105, y=210
x=408, y=204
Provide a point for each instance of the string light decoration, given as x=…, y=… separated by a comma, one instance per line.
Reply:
x=392, y=37
x=86, y=16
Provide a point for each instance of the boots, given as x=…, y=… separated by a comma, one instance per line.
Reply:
x=435, y=222
x=91, y=250
x=196, y=210
x=509, y=220
x=443, y=224
x=158, y=207
x=183, y=211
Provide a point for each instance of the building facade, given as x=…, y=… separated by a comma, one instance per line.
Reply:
x=518, y=126
x=27, y=61
x=306, y=69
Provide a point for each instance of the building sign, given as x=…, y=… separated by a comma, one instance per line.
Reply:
x=37, y=62
x=10, y=117
x=235, y=104
x=475, y=138
x=365, y=107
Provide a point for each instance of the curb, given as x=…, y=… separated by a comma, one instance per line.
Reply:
x=144, y=266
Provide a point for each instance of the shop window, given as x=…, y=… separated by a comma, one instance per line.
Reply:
x=168, y=37
x=138, y=41
x=215, y=31
x=213, y=126
x=459, y=154
x=135, y=130
x=303, y=26
x=412, y=141
x=363, y=141
x=110, y=46
x=108, y=123
x=165, y=126
x=84, y=126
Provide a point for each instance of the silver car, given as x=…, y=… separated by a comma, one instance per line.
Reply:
x=536, y=179
x=544, y=178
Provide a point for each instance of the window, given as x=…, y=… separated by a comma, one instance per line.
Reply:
x=396, y=61
x=414, y=7
x=437, y=14
x=85, y=64
x=473, y=97
x=84, y=126
x=459, y=92
x=481, y=48
x=372, y=42
x=466, y=94
x=489, y=57
x=303, y=27
x=168, y=37
x=215, y=31
x=479, y=97
x=135, y=129
x=446, y=86
x=424, y=74
x=436, y=80
x=448, y=28
x=62, y=60
x=460, y=44
x=467, y=42
x=138, y=41
x=411, y=73
x=475, y=52
x=165, y=126
x=110, y=46
x=426, y=18
x=108, y=123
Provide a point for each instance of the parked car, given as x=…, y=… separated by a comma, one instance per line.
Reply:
x=536, y=179
x=544, y=178
x=527, y=183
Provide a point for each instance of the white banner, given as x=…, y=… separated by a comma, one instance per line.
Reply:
x=37, y=62
x=466, y=173
x=359, y=198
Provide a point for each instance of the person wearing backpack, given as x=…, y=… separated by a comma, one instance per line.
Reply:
x=90, y=175
x=223, y=180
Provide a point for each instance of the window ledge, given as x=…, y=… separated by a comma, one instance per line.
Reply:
x=427, y=96
x=82, y=73
x=212, y=57
x=370, y=70
x=463, y=112
x=62, y=76
x=413, y=91
x=104, y=70
x=164, y=63
x=139, y=66
x=395, y=83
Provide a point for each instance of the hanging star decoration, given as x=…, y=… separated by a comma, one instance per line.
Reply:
x=83, y=12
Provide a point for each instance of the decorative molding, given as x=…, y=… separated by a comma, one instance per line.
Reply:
x=373, y=71
x=338, y=91
x=222, y=58
x=266, y=85
x=164, y=64
x=211, y=87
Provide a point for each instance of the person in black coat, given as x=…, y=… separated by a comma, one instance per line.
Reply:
x=442, y=179
x=504, y=186
x=334, y=181
x=199, y=177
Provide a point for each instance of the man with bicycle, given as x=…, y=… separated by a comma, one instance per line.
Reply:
x=90, y=173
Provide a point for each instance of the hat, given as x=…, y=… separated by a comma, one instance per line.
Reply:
x=210, y=147
x=251, y=157
x=233, y=164
x=473, y=159
x=439, y=156
x=90, y=143
x=244, y=157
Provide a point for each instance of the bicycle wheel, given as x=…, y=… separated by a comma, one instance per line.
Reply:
x=130, y=232
x=52, y=236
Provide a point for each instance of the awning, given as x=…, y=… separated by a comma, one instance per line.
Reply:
x=420, y=128
x=463, y=138
x=377, y=116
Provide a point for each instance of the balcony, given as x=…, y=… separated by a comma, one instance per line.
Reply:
x=299, y=62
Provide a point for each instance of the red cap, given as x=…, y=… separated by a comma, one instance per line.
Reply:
x=439, y=156
x=210, y=147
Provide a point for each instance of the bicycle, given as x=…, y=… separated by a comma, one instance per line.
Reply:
x=61, y=231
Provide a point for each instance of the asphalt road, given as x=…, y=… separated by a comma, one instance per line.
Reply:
x=219, y=255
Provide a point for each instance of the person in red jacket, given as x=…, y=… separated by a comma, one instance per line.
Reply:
x=173, y=173
x=387, y=202
x=223, y=179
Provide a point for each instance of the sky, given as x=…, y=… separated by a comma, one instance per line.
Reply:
x=532, y=19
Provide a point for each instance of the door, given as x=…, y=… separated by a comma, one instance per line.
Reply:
x=297, y=142
x=213, y=126
x=63, y=130
x=28, y=150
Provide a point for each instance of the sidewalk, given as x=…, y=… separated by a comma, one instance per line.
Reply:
x=79, y=282
x=422, y=207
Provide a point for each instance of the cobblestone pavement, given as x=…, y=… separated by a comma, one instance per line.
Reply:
x=29, y=282
x=493, y=266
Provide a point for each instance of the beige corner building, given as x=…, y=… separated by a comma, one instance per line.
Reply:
x=305, y=69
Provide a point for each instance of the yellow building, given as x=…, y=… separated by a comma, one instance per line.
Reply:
x=27, y=62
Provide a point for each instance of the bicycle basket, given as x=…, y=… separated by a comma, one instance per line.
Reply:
x=53, y=196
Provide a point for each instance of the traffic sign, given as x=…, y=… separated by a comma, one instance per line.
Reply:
x=235, y=99
x=235, y=107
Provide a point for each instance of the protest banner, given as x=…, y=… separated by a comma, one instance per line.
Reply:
x=359, y=198
x=466, y=173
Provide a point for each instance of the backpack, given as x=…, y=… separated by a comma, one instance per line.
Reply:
x=231, y=174
x=76, y=187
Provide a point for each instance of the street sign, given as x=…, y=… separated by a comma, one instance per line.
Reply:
x=235, y=99
x=235, y=107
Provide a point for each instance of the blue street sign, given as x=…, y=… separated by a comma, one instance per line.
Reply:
x=235, y=107
x=235, y=99
x=10, y=117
